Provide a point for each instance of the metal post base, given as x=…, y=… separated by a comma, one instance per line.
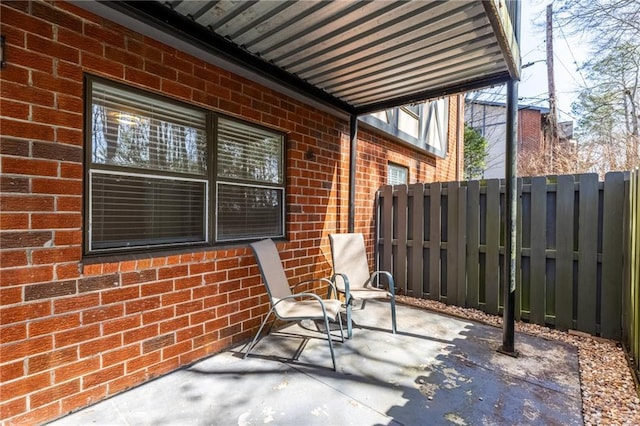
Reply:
x=512, y=353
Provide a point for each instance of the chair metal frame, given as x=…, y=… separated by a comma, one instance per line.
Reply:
x=356, y=240
x=266, y=253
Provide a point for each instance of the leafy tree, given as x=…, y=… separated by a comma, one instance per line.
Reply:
x=475, y=153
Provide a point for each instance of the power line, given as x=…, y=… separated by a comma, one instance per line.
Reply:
x=567, y=114
x=575, y=62
x=571, y=74
x=536, y=99
x=535, y=49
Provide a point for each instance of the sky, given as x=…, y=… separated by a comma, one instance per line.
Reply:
x=569, y=52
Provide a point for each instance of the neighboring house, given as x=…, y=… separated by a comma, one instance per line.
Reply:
x=141, y=152
x=489, y=119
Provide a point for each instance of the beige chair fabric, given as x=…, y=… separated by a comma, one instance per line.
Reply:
x=288, y=306
x=352, y=276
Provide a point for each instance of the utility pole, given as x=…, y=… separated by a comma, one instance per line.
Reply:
x=551, y=131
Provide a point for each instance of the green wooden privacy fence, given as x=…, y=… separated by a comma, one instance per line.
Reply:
x=445, y=241
x=631, y=299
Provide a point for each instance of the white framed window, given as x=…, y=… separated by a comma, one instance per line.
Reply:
x=160, y=173
x=397, y=174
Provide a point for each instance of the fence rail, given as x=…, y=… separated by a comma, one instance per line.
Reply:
x=445, y=241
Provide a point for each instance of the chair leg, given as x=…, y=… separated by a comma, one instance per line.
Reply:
x=341, y=329
x=333, y=357
x=253, y=342
x=393, y=314
x=349, y=324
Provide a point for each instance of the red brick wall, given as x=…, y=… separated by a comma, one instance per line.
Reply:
x=72, y=331
x=529, y=130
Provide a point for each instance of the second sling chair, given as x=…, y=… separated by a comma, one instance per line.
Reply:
x=352, y=276
x=289, y=306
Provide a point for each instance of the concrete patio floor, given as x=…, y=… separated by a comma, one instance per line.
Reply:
x=436, y=370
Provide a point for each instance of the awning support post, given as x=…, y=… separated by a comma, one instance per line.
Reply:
x=511, y=206
x=511, y=217
x=353, y=160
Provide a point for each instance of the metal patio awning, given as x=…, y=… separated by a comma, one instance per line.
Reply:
x=354, y=56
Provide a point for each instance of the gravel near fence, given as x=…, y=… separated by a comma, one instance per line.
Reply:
x=608, y=387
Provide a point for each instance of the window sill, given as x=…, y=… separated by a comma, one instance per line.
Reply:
x=101, y=258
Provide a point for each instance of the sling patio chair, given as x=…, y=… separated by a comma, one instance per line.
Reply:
x=352, y=278
x=288, y=306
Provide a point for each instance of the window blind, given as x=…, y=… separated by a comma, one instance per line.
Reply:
x=249, y=153
x=152, y=182
x=141, y=211
x=397, y=175
x=130, y=129
x=246, y=212
x=250, y=191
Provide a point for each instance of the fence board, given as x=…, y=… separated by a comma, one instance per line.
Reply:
x=612, y=255
x=400, y=236
x=524, y=239
x=461, y=247
x=415, y=267
x=538, y=259
x=631, y=322
x=588, y=253
x=626, y=271
x=435, y=189
x=387, y=229
x=473, y=243
x=565, y=195
x=634, y=256
x=452, y=243
x=492, y=256
x=518, y=249
x=575, y=249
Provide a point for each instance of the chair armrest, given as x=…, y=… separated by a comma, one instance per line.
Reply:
x=344, y=278
x=302, y=296
x=347, y=288
x=324, y=280
x=389, y=278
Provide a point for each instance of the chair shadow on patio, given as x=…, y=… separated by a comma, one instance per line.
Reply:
x=438, y=370
x=286, y=342
x=448, y=370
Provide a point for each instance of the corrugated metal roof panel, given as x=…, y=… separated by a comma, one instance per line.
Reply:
x=362, y=53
